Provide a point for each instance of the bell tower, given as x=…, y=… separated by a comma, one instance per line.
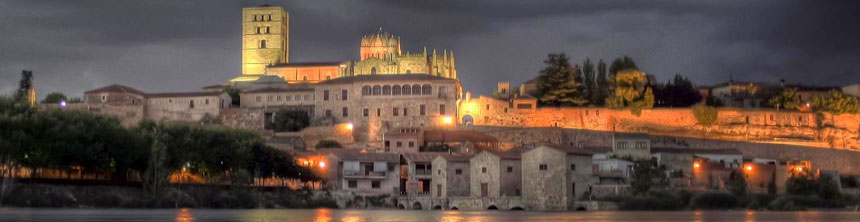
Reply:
x=265, y=38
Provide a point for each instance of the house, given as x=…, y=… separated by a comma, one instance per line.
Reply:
x=417, y=173
x=555, y=176
x=365, y=171
x=451, y=178
x=631, y=145
x=403, y=140
x=495, y=174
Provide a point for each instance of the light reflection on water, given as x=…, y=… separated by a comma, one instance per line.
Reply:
x=326, y=215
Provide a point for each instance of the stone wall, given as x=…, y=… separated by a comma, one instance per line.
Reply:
x=243, y=118
x=763, y=126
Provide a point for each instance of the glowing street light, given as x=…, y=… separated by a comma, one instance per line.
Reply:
x=749, y=168
x=448, y=120
x=349, y=126
x=63, y=103
x=322, y=164
x=696, y=165
x=798, y=169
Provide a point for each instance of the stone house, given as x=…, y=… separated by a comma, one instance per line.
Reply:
x=277, y=97
x=131, y=106
x=125, y=103
x=451, y=178
x=554, y=176
x=365, y=171
x=495, y=174
x=403, y=140
x=417, y=173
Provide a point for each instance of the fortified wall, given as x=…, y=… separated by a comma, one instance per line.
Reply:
x=759, y=126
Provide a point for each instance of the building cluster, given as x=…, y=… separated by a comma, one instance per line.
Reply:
x=534, y=176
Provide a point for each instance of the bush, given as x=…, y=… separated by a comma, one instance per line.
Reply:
x=328, y=144
x=713, y=201
x=290, y=120
x=706, y=115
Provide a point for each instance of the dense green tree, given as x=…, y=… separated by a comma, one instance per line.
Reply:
x=737, y=183
x=54, y=97
x=588, y=81
x=677, y=93
x=836, y=102
x=631, y=91
x=234, y=95
x=287, y=120
x=621, y=64
x=706, y=115
x=557, y=84
x=603, y=88
x=787, y=99
x=646, y=176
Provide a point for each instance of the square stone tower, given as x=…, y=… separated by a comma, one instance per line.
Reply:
x=265, y=38
x=504, y=90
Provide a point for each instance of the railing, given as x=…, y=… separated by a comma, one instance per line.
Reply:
x=610, y=173
x=423, y=172
x=364, y=174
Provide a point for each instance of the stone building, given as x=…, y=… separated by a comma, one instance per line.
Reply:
x=495, y=174
x=418, y=168
x=635, y=146
x=365, y=171
x=681, y=162
x=554, y=177
x=131, y=106
x=277, y=97
x=265, y=40
x=451, y=178
x=403, y=140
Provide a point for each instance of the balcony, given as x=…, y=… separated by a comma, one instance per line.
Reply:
x=365, y=174
x=423, y=172
x=610, y=174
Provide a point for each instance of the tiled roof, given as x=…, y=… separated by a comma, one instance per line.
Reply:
x=117, y=88
x=458, y=136
x=364, y=155
x=694, y=150
x=456, y=157
x=385, y=77
x=183, y=94
x=422, y=157
x=512, y=154
x=306, y=64
x=274, y=89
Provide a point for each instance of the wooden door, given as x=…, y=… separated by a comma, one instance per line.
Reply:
x=484, y=190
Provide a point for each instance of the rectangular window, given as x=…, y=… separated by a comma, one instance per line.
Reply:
x=399, y=144
x=343, y=95
x=375, y=184
x=328, y=113
x=458, y=171
x=366, y=112
x=307, y=97
x=441, y=109
x=204, y=101
x=641, y=145
x=270, y=99
x=421, y=110
x=279, y=98
x=345, y=112
x=325, y=95
x=411, y=143
x=483, y=170
x=573, y=167
x=298, y=97
x=542, y=167
x=622, y=145
x=405, y=111
x=289, y=97
x=258, y=98
x=394, y=112
x=378, y=112
x=352, y=184
x=510, y=169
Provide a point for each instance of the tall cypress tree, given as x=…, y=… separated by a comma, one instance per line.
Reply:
x=588, y=74
x=24, y=86
x=602, y=84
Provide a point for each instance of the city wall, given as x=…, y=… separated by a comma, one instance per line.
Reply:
x=760, y=126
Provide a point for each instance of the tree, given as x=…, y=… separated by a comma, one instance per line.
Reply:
x=603, y=88
x=647, y=175
x=588, y=78
x=234, y=95
x=712, y=100
x=787, y=99
x=737, y=183
x=287, y=120
x=705, y=115
x=631, y=91
x=677, y=93
x=557, y=83
x=25, y=87
x=827, y=187
x=54, y=97
x=836, y=102
x=621, y=64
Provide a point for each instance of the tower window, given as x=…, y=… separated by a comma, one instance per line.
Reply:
x=373, y=71
x=267, y=30
x=258, y=30
x=263, y=44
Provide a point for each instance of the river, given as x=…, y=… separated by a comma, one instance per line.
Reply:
x=326, y=215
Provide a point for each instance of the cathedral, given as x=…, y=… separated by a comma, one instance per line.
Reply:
x=265, y=52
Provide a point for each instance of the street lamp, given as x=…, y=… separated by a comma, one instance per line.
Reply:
x=448, y=120
x=349, y=126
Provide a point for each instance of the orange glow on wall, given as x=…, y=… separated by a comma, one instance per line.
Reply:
x=696, y=165
x=322, y=164
x=749, y=168
x=448, y=120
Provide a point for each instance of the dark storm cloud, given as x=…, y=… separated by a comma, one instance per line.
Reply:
x=162, y=45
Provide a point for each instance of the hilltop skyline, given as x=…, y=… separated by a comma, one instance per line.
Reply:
x=182, y=46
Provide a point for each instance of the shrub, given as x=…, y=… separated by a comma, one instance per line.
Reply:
x=290, y=120
x=713, y=201
x=328, y=144
x=705, y=115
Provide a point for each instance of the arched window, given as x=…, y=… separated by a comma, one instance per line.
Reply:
x=408, y=71
x=263, y=44
x=365, y=90
x=305, y=78
x=377, y=90
x=407, y=90
x=395, y=90
x=373, y=71
x=426, y=89
x=416, y=89
x=328, y=77
x=386, y=90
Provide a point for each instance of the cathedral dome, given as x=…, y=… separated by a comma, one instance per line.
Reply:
x=380, y=39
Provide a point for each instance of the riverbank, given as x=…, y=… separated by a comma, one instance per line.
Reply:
x=174, y=196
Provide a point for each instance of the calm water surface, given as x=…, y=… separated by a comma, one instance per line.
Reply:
x=325, y=215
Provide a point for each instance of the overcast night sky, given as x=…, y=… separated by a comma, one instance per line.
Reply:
x=171, y=45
